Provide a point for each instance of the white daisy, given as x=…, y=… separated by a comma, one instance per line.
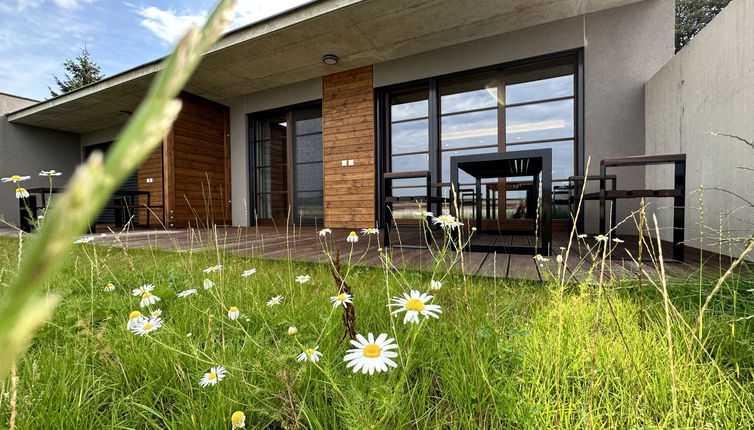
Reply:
x=16, y=178
x=157, y=313
x=370, y=231
x=247, y=273
x=50, y=173
x=310, y=355
x=109, y=287
x=275, y=301
x=238, y=420
x=148, y=299
x=186, y=293
x=582, y=236
x=423, y=214
x=559, y=259
x=292, y=330
x=540, y=259
x=303, y=279
x=135, y=318
x=371, y=355
x=341, y=299
x=208, y=284
x=616, y=240
x=601, y=238
x=215, y=375
x=147, y=326
x=85, y=239
x=446, y=221
x=213, y=269
x=415, y=304
x=233, y=313
x=352, y=237
x=21, y=193
x=146, y=288
x=435, y=285
x=324, y=232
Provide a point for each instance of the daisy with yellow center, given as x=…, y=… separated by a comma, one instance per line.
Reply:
x=341, y=299
x=352, y=237
x=446, y=221
x=146, y=288
x=371, y=355
x=186, y=293
x=415, y=304
x=157, y=313
x=600, y=238
x=147, y=326
x=324, y=232
x=540, y=259
x=274, y=301
x=213, y=269
x=435, y=285
x=247, y=273
x=238, y=420
x=82, y=240
x=215, y=375
x=303, y=279
x=135, y=319
x=310, y=355
x=21, y=193
x=16, y=178
x=109, y=287
x=369, y=231
x=423, y=214
x=148, y=299
x=208, y=284
x=233, y=313
x=50, y=173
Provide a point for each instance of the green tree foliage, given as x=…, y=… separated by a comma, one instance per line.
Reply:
x=79, y=72
x=691, y=16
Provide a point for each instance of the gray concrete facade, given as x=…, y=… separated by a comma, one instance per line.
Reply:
x=707, y=88
x=26, y=150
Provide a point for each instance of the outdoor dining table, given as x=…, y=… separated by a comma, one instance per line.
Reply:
x=130, y=200
x=536, y=163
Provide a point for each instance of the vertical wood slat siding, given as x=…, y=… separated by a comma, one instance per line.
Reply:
x=152, y=168
x=200, y=164
x=348, y=134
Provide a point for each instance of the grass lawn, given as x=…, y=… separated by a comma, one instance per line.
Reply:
x=503, y=354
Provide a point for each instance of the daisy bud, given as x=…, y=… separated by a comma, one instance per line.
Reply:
x=292, y=330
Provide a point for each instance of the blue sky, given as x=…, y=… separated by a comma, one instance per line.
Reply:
x=36, y=36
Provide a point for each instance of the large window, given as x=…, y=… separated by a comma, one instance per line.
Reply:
x=526, y=106
x=287, y=165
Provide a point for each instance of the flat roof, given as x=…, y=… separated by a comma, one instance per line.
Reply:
x=288, y=47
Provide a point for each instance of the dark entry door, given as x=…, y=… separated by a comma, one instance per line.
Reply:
x=107, y=216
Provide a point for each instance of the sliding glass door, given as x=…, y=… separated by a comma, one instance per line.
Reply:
x=286, y=160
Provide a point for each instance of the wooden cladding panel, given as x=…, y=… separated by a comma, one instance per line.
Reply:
x=200, y=164
x=348, y=134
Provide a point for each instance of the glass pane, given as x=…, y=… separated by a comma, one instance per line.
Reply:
x=270, y=153
x=309, y=177
x=469, y=129
x=309, y=205
x=271, y=179
x=409, y=163
x=408, y=104
x=562, y=156
x=560, y=196
x=272, y=206
x=468, y=92
x=539, y=81
x=307, y=120
x=462, y=176
x=308, y=148
x=412, y=136
x=552, y=120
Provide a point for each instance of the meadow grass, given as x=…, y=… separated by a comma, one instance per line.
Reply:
x=503, y=354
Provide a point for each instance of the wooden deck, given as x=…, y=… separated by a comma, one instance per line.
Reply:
x=304, y=244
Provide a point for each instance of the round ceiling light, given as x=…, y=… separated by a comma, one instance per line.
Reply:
x=330, y=59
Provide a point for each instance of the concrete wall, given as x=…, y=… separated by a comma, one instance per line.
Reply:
x=102, y=135
x=11, y=103
x=26, y=150
x=623, y=48
x=299, y=92
x=708, y=87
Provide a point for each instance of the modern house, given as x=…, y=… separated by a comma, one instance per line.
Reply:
x=300, y=115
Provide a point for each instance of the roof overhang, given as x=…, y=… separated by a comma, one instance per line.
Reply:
x=288, y=48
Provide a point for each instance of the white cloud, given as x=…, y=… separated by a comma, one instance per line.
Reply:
x=71, y=4
x=248, y=11
x=166, y=24
x=66, y=4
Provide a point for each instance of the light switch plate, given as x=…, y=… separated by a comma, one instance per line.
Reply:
x=344, y=163
x=350, y=162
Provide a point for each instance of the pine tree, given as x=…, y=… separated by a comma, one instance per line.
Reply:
x=79, y=72
x=691, y=16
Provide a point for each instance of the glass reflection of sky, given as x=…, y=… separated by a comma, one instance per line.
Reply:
x=411, y=136
x=469, y=129
x=410, y=110
x=477, y=99
x=542, y=89
x=552, y=120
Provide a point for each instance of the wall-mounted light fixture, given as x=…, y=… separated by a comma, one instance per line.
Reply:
x=330, y=59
